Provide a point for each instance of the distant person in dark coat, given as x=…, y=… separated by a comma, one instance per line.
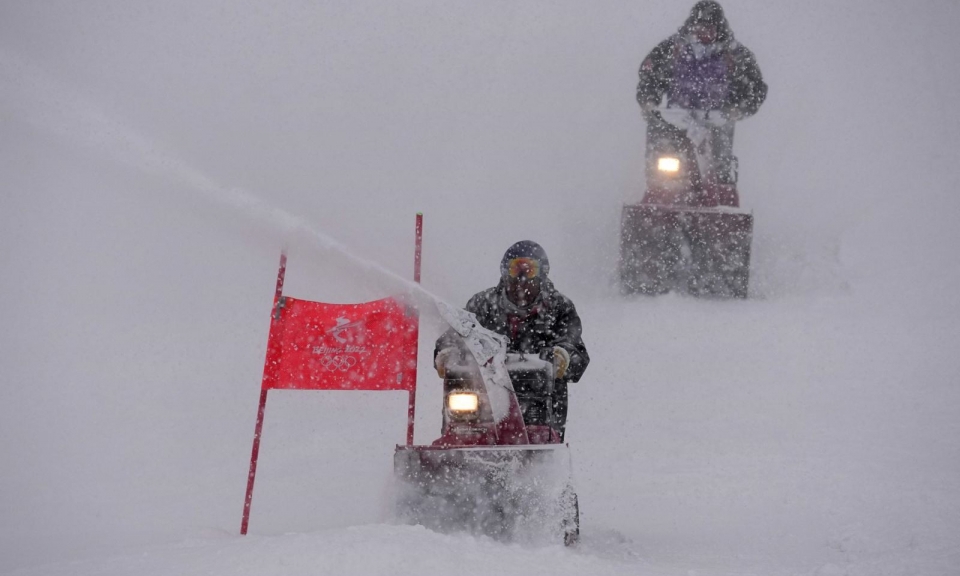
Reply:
x=702, y=67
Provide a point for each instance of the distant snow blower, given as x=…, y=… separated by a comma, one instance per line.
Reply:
x=688, y=233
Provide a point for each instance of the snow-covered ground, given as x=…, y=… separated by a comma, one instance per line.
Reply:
x=153, y=160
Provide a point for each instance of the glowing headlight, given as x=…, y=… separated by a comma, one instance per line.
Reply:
x=463, y=402
x=668, y=164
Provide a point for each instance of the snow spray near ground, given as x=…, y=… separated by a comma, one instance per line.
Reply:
x=811, y=430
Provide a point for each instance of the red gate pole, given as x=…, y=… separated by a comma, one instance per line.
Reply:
x=417, y=258
x=269, y=376
x=419, y=248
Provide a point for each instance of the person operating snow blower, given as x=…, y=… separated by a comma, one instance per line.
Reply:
x=526, y=308
x=702, y=68
x=688, y=233
x=500, y=466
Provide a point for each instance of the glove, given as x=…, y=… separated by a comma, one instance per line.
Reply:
x=440, y=362
x=648, y=109
x=733, y=114
x=561, y=360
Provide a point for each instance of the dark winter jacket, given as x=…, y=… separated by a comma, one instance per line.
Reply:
x=551, y=321
x=721, y=76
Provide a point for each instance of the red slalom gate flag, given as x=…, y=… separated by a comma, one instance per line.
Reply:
x=317, y=346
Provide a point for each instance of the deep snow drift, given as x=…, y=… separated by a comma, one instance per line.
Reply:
x=154, y=159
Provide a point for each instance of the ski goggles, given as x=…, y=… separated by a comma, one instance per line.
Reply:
x=525, y=267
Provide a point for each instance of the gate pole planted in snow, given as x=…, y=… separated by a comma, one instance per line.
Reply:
x=417, y=257
x=269, y=373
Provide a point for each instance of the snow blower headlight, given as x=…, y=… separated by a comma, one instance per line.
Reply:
x=464, y=403
x=668, y=164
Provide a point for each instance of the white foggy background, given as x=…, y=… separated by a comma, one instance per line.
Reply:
x=812, y=426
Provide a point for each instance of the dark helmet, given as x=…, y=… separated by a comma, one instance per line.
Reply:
x=707, y=12
x=525, y=249
x=707, y=19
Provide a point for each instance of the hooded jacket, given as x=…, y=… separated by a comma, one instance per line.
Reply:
x=723, y=75
x=551, y=321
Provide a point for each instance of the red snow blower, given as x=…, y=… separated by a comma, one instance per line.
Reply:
x=688, y=232
x=498, y=467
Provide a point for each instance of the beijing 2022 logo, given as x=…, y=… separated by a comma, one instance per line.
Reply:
x=335, y=362
x=340, y=358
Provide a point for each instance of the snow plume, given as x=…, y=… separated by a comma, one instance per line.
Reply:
x=56, y=107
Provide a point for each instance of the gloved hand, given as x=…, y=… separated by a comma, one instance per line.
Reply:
x=561, y=360
x=440, y=362
x=648, y=110
x=733, y=114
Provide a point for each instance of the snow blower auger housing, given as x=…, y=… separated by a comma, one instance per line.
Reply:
x=499, y=467
x=688, y=233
